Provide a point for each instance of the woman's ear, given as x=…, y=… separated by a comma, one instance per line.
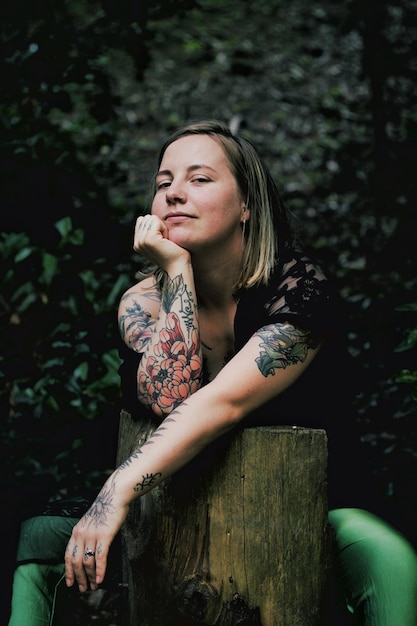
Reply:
x=245, y=213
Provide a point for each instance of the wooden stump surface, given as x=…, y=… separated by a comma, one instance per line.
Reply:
x=237, y=537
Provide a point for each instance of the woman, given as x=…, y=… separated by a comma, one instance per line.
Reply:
x=232, y=325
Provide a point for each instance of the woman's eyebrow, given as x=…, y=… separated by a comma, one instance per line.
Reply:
x=200, y=166
x=163, y=173
x=191, y=168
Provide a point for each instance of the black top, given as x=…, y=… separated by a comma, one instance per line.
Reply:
x=300, y=292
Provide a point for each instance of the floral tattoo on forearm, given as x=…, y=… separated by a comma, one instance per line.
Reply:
x=173, y=372
x=283, y=345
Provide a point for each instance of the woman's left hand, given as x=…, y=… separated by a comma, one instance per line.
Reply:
x=88, y=548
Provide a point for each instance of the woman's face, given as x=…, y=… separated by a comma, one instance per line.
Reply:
x=197, y=196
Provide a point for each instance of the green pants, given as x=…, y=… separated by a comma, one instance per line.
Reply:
x=377, y=569
x=39, y=578
x=376, y=566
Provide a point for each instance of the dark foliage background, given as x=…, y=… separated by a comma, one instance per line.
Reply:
x=89, y=90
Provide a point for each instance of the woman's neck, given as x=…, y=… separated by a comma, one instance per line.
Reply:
x=215, y=283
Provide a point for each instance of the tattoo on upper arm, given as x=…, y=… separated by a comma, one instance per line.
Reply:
x=137, y=326
x=283, y=345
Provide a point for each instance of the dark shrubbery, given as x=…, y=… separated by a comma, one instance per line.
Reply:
x=89, y=90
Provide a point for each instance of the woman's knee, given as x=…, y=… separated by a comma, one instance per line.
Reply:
x=378, y=540
x=378, y=568
x=44, y=538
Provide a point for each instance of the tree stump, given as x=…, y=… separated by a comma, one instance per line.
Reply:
x=237, y=537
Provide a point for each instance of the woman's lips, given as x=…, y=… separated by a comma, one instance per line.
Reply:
x=177, y=217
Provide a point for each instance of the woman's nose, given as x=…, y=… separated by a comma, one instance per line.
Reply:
x=175, y=194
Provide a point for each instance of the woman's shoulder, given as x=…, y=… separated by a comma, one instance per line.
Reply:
x=303, y=290
x=144, y=293
x=300, y=291
x=296, y=262
x=146, y=285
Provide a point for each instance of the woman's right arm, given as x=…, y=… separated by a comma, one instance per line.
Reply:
x=163, y=324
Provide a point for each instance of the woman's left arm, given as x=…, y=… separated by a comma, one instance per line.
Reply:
x=271, y=361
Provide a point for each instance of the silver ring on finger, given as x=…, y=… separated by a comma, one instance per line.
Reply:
x=88, y=552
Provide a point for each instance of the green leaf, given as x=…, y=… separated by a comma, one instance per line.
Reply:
x=412, y=306
x=50, y=267
x=409, y=342
x=24, y=254
x=64, y=226
x=119, y=286
x=112, y=359
x=81, y=371
x=407, y=376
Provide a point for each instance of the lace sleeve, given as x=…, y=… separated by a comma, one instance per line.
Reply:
x=303, y=295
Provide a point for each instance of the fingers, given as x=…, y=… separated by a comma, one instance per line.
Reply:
x=89, y=544
x=101, y=563
x=149, y=229
x=85, y=563
x=151, y=240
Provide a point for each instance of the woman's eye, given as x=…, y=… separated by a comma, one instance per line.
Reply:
x=163, y=185
x=200, y=179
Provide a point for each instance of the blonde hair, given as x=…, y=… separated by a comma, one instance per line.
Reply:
x=268, y=229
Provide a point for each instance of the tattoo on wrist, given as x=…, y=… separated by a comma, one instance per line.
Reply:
x=173, y=290
x=102, y=507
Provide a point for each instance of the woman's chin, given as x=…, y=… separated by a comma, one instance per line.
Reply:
x=180, y=238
